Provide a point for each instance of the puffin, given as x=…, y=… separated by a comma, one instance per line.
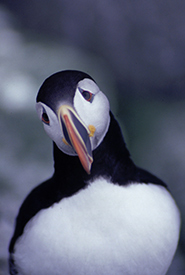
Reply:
x=99, y=213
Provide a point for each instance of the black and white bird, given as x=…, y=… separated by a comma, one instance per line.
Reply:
x=99, y=214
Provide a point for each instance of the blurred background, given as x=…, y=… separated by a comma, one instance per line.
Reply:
x=135, y=50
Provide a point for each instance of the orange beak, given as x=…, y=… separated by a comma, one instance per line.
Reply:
x=76, y=135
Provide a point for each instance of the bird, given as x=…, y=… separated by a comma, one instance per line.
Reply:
x=99, y=213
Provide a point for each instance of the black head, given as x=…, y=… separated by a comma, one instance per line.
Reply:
x=60, y=86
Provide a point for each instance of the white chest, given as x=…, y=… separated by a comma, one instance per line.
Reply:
x=103, y=229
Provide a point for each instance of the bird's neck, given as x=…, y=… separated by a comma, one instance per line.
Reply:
x=109, y=158
x=112, y=158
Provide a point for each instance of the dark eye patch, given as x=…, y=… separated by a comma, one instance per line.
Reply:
x=87, y=95
x=45, y=117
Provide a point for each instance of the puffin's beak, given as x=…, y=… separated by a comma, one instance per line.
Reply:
x=76, y=135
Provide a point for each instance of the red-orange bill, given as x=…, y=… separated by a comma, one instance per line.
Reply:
x=79, y=138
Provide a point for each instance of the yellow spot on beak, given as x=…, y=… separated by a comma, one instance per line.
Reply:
x=64, y=141
x=92, y=130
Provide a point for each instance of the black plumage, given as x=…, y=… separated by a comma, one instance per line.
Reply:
x=108, y=162
x=111, y=160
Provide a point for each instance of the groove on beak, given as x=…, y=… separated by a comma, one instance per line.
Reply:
x=76, y=134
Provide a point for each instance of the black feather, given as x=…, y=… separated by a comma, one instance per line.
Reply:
x=111, y=160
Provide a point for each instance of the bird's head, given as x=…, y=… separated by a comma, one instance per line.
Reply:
x=74, y=112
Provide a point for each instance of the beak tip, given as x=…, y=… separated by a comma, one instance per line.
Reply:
x=87, y=167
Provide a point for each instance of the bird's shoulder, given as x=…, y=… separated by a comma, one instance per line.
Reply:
x=40, y=197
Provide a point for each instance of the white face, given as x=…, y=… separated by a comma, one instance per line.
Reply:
x=92, y=108
x=93, y=113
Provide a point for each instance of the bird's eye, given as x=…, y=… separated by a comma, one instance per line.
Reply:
x=87, y=95
x=45, y=118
